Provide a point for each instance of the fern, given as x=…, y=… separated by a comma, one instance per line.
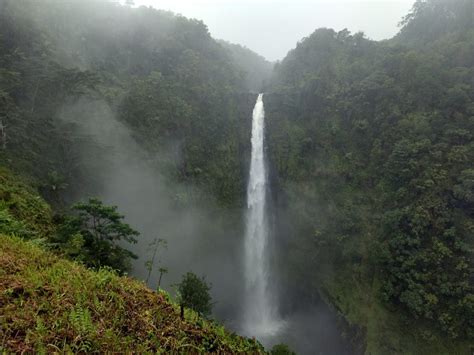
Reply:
x=81, y=321
x=9, y=225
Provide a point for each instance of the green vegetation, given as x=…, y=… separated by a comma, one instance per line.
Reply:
x=48, y=304
x=22, y=211
x=281, y=349
x=194, y=294
x=372, y=146
x=255, y=69
x=92, y=236
x=161, y=75
x=170, y=85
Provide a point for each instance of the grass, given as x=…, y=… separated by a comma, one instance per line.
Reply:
x=49, y=304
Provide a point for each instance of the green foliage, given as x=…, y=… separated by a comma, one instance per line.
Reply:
x=372, y=148
x=9, y=225
x=370, y=144
x=194, y=294
x=93, y=236
x=81, y=321
x=281, y=349
x=428, y=20
x=255, y=69
x=166, y=79
x=22, y=211
x=51, y=304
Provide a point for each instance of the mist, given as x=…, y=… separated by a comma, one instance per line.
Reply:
x=201, y=237
x=310, y=159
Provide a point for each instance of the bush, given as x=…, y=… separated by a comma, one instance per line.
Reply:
x=281, y=349
x=194, y=294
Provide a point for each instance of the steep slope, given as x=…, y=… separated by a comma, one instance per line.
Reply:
x=161, y=75
x=50, y=304
x=22, y=211
x=431, y=20
x=255, y=69
x=371, y=148
x=140, y=107
x=370, y=144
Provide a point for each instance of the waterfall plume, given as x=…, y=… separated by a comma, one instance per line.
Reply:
x=260, y=310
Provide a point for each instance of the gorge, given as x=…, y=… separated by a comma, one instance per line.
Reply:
x=332, y=213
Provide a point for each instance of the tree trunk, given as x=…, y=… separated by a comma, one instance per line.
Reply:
x=159, y=280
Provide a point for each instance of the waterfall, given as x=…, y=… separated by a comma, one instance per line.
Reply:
x=260, y=313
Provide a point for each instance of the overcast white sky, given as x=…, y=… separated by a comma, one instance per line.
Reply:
x=273, y=27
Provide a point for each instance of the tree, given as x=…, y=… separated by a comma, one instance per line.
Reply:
x=92, y=236
x=162, y=271
x=194, y=293
x=156, y=244
x=371, y=146
x=53, y=187
x=281, y=349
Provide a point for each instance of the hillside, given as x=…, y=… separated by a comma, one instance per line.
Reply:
x=51, y=304
x=255, y=69
x=141, y=108
x=48, y=303
x=68, y=71
x=371, y=150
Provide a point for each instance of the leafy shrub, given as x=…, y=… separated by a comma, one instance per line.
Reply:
x=194, y=294
x=281, y=349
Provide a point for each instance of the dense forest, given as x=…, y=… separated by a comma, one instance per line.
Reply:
x=369, y=144
x=163, y=76
x=372, y=146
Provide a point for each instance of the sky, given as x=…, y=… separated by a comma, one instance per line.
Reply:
x=273, y=27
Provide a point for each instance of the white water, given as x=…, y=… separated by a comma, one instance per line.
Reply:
x=260, y=310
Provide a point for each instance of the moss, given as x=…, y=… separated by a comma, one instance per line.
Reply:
x=51, y=304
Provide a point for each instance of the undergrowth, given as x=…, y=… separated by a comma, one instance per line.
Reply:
x=22, y=211
x=49, y=304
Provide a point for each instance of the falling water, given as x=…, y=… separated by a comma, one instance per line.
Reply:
x=260, y=318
